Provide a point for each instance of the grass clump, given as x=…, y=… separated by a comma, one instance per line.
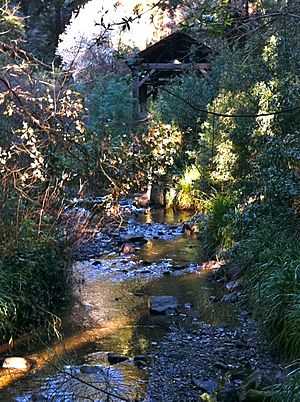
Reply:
x=218, y=229
x=271, y=261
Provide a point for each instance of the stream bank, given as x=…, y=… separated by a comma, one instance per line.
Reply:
x=206, y=346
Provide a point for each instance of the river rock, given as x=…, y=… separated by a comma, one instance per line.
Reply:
x=96, y=262
x=206, y=386
x=142, y=200
x=161, y=304
x=179, y=267
x=158, y=196
x=211, y=265
x=136, y=239
x=89, y=369
x=140, y=361
x=127, y=249
x=114, y=358
x=190, y=229
x=232, y=285
x=16, y=363
x=141, y=358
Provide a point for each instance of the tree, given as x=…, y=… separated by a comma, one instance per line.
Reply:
x=45, y=21
x=41, y=124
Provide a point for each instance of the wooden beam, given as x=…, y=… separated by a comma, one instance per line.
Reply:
x=142, y=81
x=174, y=66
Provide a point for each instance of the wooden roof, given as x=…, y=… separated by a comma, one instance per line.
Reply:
x=177, y=46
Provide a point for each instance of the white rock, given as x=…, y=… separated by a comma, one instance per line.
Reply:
x=16, y=363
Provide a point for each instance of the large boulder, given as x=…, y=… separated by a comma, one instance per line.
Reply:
x=162, y=304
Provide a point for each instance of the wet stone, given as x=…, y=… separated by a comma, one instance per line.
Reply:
x=140, y=361
x=141, y=358
x=145, y=263
x=87, y=369
x=114, y=358
x=140, y=239
x=161, y=304
x=179, y=267
x=206, y=386
x=127, y=249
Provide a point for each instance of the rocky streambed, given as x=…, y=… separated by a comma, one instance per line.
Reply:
x=202, y=346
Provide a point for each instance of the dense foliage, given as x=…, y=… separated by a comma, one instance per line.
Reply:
x=228, y=141
x=247, y=159
x=40, y=123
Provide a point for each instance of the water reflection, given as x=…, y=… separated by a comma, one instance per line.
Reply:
x=110, y=314
x=161, y=215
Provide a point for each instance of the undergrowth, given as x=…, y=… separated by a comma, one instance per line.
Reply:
x=268, y=249
x=264, y=240
x=289, y=390
x=270, y=257
x=33, y=278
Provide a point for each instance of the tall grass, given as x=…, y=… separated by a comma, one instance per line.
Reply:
x=218, y=229
x=267, y=245
x=289, y=390
x=32, y=282
x=270, y=256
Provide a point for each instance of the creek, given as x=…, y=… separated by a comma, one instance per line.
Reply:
x=109, y=314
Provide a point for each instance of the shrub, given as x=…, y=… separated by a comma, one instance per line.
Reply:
x=218, y=229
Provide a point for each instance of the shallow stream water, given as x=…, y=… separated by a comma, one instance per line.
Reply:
x=109, y=314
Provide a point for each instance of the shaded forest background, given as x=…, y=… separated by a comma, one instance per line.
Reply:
x=226, y=142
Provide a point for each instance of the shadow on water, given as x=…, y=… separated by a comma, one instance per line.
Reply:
x=110, y=314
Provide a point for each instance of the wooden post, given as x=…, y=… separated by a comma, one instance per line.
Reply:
x=135, y=94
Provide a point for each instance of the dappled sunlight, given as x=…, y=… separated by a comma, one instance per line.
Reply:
x=48, y=356
x=191, y=175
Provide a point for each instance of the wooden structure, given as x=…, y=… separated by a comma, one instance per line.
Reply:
x=164, y=60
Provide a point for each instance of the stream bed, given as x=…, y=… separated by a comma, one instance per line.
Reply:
x=109, y=321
